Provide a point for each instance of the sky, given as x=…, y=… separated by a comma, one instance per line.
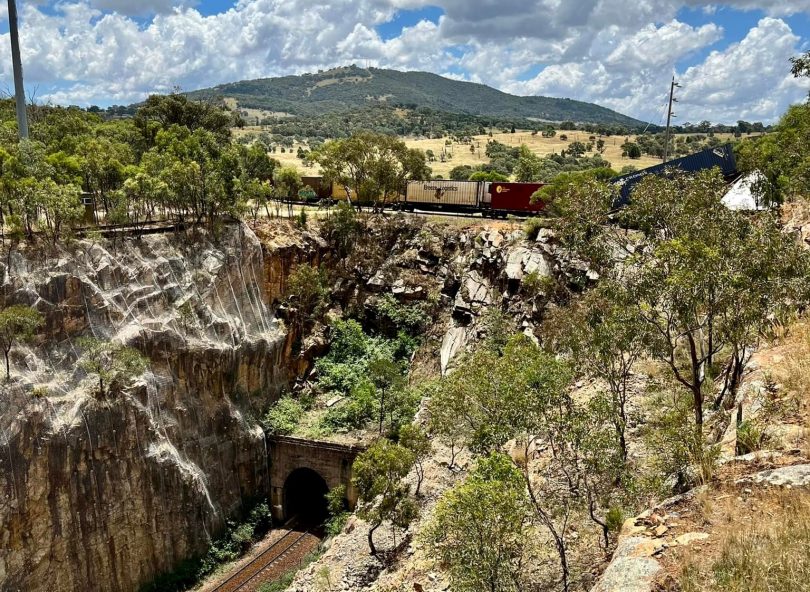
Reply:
x=730, y=58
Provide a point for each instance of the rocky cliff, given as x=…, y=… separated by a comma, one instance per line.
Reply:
x=105, y=494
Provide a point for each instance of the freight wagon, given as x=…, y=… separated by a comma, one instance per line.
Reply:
x=322, y=189
x=442, y=194
x=722, y=157
x=513, y=198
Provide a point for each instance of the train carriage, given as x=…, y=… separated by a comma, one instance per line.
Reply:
x=443, y=194
x=513, y=198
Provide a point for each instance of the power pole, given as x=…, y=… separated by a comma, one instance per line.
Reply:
x=19, y=90
x=670, y=115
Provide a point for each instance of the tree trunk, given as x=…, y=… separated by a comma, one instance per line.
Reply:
x=371, y=546
x=8, y=367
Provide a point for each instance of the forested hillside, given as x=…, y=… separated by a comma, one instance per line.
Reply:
x=345, y=89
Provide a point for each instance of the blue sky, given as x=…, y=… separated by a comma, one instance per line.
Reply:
x=731, y=57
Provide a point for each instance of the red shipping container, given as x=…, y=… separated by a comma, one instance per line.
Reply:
x=514, y=197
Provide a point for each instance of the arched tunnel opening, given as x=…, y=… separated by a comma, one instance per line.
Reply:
x=305, y=497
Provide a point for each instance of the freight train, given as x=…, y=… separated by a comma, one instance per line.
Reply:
x=501, y=199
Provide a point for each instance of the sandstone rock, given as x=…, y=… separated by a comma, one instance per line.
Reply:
x=632, y=568
x=793, y=476
x=454, y=340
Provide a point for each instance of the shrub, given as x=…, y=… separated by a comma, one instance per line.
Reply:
x=532, y=226
x=750, y=437
x=413, y=319
x=284, y=416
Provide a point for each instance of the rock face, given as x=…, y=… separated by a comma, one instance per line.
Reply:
x=792, y=476
x=106, y=494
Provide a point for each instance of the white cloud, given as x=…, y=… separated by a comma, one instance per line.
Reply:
x=86, y=51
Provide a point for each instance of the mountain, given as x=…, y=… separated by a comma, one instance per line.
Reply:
x=349, y=88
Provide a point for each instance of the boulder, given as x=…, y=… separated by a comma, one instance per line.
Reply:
x=793, y=476
x=632, y=569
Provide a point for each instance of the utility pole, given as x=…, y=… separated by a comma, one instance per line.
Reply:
x=19, y=91
x=670, y=115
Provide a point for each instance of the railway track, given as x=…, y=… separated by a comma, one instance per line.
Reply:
x=282, y=555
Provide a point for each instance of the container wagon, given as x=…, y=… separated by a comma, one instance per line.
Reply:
x=443, y=194
x=513, y=198
x=722, y=157
x=322, y=190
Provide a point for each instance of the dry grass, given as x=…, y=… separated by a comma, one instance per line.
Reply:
x=768, y=554
x=462, y=155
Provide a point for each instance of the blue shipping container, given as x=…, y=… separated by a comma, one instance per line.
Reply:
x=722, y=157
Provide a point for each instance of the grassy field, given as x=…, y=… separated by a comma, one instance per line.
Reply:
x=461, y=154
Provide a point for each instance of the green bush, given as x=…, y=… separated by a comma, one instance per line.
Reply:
x=284, y=416
x=532, y=226
x=411, y=318
x=348, y=370
x=234, y=542
x=750, y=438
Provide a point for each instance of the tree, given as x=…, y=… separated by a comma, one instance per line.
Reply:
x=60, y=206
x=800, y=65
x=379, y=473
x=479, y=528
x=386, y=376
x=372, y=167
x=113, y=364
x=600, y=146
x=580, y=206
x=577, y=149
x=461, y=172
x=708, y=280
x=520, y=394
x=17, y=323
x=604, y=338
x=415, y=439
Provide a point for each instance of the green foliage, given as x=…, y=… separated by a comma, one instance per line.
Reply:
x=17, y=323
x=415, y=439
x=113, y=364
x=283, y=417
x=338, y=516
x=479, y=528
x=374, y=167
x=379, y=475
x=342, y=229
x=238, y=537
x=370, y=372
x=532, y=227
x=614, y=519
x=491, y=176
x=709, y=280
x=534, y=284
x=780, y=158
x=461, y=173
x=750, y=437
x=308, y=290
x=411, y=318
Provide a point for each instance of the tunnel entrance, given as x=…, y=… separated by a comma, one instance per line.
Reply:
x=305, y=496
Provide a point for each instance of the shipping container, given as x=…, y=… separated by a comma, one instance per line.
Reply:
x=322, y=190
x=442, y=194
x=514, y=197
x=722, y=157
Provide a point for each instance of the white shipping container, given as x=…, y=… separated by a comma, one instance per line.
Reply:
x=442, y=192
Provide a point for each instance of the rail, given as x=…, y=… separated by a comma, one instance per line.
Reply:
x=266, y=559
